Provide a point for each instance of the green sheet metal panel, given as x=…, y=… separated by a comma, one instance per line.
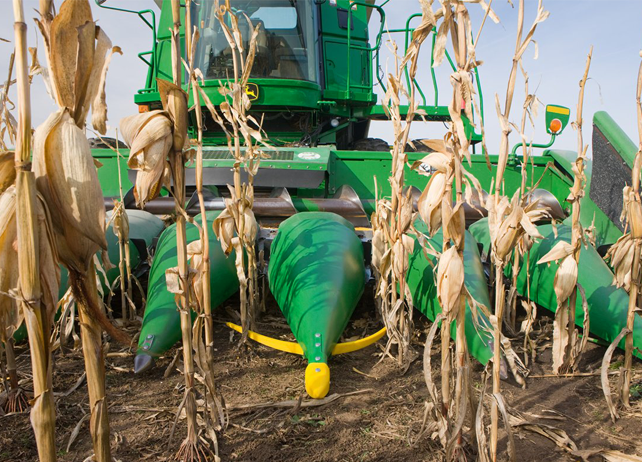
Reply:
x=317, y=276
x=161, y=323
x=607, y=304
x=421, y=281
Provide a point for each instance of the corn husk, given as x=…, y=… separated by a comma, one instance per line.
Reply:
x=174, y=101
x=7, y=170
x=150, y=138
x=67, y=178
x=10, y=315
x=450, y=281
x=79, y=53
x=71, y=53
x=430, y=201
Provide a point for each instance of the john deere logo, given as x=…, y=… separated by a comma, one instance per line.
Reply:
x=252, y=91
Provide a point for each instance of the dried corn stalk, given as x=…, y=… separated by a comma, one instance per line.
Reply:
x=567, y=347
x=78, y=54
x=393, y=217
x=236, y=226
x=437, y=210
x=508, y=220
x=120, y=226
x=157, y=141
x=36, y=273
x=626, y=253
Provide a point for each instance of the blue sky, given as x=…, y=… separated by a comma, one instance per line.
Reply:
x=613, y=27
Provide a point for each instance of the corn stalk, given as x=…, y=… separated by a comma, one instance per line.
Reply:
x=78, y=55
x=625, y=256
x=236, y=226
x=215, y=417
x=567, y=347
x=508, y=220
x=436, y=209
x=35, y=272
x=175, y=103
x=393, y=217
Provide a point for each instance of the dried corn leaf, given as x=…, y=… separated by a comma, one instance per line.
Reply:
x=604, y=374
x=10, y=314
x=84, y=65
x=63, y=55
x=96, y=91
x=561, y=249
x=7, y=170
x=67, y=179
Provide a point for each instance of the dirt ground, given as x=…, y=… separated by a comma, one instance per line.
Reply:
x=376, y=415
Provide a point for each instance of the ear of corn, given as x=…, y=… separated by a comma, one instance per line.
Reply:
x=150, y=138
x=77, y=55
x=68, y=180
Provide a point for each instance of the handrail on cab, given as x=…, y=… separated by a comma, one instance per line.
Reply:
x=152, y=64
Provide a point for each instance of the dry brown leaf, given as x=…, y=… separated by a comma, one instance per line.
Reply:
x=7, y=170
x=67, y=179
x=64, y=43
x=604, y=374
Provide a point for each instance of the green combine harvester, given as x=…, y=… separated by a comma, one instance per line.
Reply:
x=313, y=84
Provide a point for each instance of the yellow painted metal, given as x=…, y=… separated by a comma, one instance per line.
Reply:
x=317, y=380
x=295, y=348
x=281, y=345
x=348, y=347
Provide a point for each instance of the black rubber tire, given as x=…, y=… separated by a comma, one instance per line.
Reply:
x=371, y=144
x=105, y=143
x=419, y=147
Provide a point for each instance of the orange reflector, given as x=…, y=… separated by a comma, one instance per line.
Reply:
x=143, y=108
x=555, y=126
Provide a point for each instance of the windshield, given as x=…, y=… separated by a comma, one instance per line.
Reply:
x=286, y=43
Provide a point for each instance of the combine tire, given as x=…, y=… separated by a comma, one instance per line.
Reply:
x=419, y=146
x=106, y=143
x=371, y=144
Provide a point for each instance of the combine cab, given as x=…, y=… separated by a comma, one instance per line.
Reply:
x=312, y=85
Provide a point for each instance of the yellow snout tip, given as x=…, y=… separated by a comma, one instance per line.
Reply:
x=317, y=380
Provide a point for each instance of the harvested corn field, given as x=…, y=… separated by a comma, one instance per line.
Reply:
x=245, y=269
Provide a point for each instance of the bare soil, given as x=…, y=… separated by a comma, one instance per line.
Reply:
x=376, y=416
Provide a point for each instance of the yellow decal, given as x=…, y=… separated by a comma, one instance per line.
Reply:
x=252, y=91
x=559, y=110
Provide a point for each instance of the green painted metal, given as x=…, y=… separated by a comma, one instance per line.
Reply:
x=109, y=172
x=555, y=112
x=317, y=276
x=607, y=304
x=421, y=281
x=343, y=87
x=161, y=322
x=616, y=136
